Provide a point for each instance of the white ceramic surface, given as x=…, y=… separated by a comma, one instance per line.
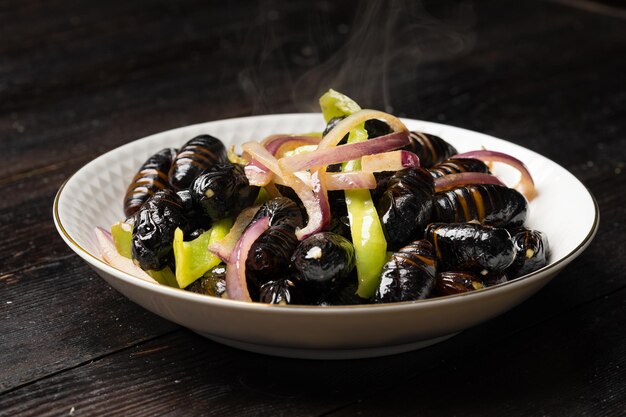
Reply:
x=564, y=209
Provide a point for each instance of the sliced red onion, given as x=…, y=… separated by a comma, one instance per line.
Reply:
x=330, y=141
x=448, y=182
x=350, y=181
x=344, y=127
x=389, y=161
x=348, y=152
x=236, y=285
x=526, y=185
x=111, y=256
x=262, y=167
x=223, y=249
x=102, y=232
x=313, y=197
x=264, y=157
x=258, y=174
x=315, y=202
x=318, y=208
x=357, y=180
x=279, y=144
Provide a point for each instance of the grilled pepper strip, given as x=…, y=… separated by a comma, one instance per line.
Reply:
x=370, y=246
x=193, y=258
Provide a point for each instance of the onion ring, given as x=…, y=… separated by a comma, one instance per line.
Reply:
x=448, y=182
x=236, y=285
x=526, y=185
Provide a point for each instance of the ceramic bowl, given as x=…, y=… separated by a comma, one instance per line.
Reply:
x=564, y=209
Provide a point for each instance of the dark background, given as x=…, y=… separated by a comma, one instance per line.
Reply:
x=80, y=78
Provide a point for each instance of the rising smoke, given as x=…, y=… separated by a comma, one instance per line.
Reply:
x=384, y=44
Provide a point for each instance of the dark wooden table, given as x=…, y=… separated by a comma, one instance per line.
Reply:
x=80, y=78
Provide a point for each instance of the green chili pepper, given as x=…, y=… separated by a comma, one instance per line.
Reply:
x=193, y=258
x=370, y=246
x=164, y=277
x=335, y=104
x=122, y=234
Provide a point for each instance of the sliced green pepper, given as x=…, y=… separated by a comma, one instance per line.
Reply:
x=122, y=234
x=193, y=258
x=164, y=277
x=368, y=239
x=335, y=104
x=370, y=246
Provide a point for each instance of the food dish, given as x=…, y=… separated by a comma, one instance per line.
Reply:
x=332, y=218
x=91, y=197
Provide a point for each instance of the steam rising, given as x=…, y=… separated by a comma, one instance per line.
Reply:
x=385, y=43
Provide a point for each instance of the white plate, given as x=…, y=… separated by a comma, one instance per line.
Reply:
x=564, y=210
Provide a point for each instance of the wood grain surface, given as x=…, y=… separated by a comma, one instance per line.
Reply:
x=80, y=78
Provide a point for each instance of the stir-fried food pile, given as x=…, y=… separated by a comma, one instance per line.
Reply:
x=365, y=212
